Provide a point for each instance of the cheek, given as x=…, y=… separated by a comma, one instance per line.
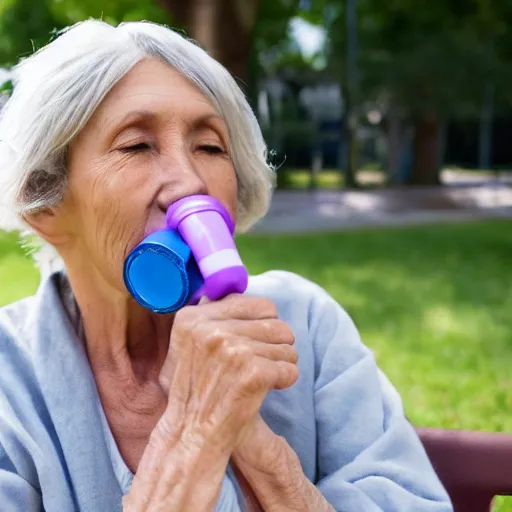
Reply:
x=222, y=184
x=113, y=207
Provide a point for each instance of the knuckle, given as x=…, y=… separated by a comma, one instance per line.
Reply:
x=191, y=324
x=267, y=307
x=286, y=335
x=185, y=315
x=293, y=374
x=291, y=354
x=231, y=303
x=280, y=331
x=287, y=375
x=210, y=338
x=187, y=319
x=236, y=351
x=252, y=380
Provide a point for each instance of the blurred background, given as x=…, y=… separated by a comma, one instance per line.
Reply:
x=390, y=128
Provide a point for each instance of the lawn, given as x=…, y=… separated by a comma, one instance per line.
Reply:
x=328, y=178
x=372, y=176
x=433, y=302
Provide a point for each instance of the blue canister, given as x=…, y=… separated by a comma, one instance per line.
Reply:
x=161, y=273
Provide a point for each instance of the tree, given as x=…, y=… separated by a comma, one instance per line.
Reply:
x=340, y=20
x=26, y=25
x=238, y=33
x=427, y=60
x=232, y=31
x=224, y=27
x=68, y=12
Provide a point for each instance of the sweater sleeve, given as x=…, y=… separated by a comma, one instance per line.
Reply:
x=369, y=456
x=16, y=494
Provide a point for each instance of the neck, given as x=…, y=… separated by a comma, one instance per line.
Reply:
x=122, y=338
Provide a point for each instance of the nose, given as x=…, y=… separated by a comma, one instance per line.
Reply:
x=180, y=178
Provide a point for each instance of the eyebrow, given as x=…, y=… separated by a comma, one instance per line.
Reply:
x=140, y=116
x=204, y=119
x=129, y=119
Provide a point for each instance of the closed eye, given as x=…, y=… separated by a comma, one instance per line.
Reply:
x=141, y=146
x=212, y=149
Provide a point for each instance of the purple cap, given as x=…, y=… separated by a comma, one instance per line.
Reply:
x=208, y=229
x=186, y=206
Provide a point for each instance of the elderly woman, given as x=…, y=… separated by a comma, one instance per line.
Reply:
x=263, y=400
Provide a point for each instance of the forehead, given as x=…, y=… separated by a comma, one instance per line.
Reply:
x=152, y=85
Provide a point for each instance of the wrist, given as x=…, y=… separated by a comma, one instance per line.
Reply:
x=206, y=470
x=277, y=475
x=187, y=468
x=280, y=485
x=203, y=459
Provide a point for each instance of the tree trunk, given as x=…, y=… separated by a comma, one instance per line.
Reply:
x=223, y=27
x=426, y=150
x=394, y=134
x=351, y=96
x=485, y=134
x=347, y=153
x=400, y=137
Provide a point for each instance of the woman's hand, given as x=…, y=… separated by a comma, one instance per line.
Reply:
x=274, y=473
x=223, y=359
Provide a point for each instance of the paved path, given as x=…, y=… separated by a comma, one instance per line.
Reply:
x=304, y=211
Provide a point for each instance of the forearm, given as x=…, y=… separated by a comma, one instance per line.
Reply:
x=281, y=485
x=182, y=477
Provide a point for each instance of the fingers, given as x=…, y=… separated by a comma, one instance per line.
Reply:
x=287, y=375
x=247, y=348
x=269, y=330
x=276, y=374
x=240, y=307
x=204, y=300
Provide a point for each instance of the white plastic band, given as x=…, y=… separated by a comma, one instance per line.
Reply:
x=219, y=261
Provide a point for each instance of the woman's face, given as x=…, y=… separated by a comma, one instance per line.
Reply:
x=154, y=139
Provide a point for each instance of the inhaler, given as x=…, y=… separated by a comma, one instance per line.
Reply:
x=194, y=256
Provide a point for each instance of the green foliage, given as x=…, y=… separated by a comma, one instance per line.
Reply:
x=272, y=23
x=6, y=88
x=424, y=55
x=112, y=11
x=273, y=42
x=25, y=26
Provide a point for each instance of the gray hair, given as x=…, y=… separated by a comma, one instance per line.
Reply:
x=58, y=88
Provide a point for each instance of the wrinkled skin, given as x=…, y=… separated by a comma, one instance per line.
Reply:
x=181, y=393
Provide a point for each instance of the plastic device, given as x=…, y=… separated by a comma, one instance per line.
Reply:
x=195, y=256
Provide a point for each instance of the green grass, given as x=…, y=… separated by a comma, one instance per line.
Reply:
x=18, y=277
x=434, y=303
x=300, y=179
x=328, y=179
x=367, y=176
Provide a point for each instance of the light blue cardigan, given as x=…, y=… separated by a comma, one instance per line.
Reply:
x=343, y=418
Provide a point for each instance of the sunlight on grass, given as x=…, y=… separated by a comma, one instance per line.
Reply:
x=301, y=178
x=18, y=277
x=432, y=302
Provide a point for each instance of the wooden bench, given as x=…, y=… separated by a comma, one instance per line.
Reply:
x=473, y=466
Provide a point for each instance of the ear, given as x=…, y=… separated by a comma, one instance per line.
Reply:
x=48, y=224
